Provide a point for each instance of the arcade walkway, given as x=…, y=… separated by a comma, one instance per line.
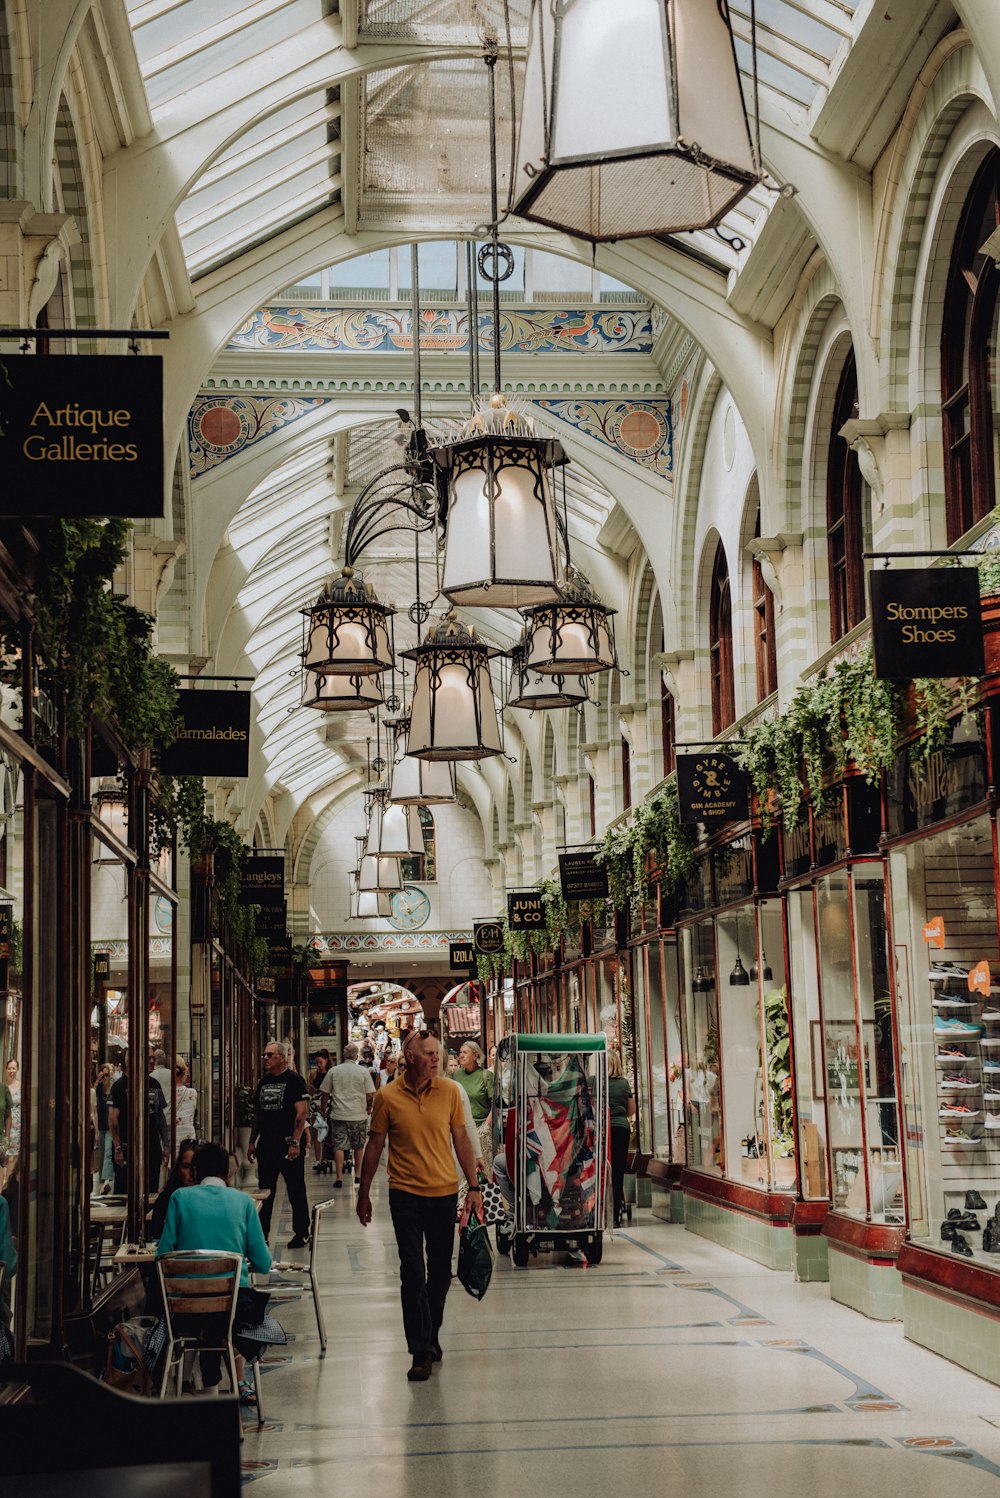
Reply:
x=675, y=1366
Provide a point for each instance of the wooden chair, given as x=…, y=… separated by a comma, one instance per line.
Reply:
x=199, y=1283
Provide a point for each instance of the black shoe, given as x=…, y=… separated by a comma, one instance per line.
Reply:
x=948, y=1231
x=337, y=1184
x=420, y=1369
x=960, y=1245
x=974, y=1202
x=301, y=1240
x=437, y=1356
x=319, y=1169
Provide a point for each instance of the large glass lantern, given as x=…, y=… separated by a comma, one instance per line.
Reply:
x=531, y=691
x=394, y=831
x=419, y=782
x=633, y=120
x=346, y=630
x=368, y=905
x=341, y=694
x=501, y=541
x=573, y=637
x=454, y=713
x=379, y=876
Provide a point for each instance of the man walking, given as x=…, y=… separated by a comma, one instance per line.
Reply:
x=422, y=1116
x=281, y=1107
x=348, y=1090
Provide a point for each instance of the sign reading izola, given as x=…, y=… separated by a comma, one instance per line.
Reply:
x=82, y=434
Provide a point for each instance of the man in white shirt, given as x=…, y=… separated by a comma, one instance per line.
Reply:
x=349, y=1091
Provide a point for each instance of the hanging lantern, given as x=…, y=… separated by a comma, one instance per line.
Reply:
x=531, y=691
x=394, y=831
x=573, y=637
x=419, y=782
x=341, y=694
x=346, y=630
x=454, y=713
x=501, y=541
x=377, y=875
x=666, y=150
x=368, y=904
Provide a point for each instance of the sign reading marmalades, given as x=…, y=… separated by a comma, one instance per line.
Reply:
x=711, y=788
x=581, y=877
x=525, y=911
x=82, y=434
x=213, y=734
x=487, y=937
x=262, y=879
x=926, y=621
x=461, y=955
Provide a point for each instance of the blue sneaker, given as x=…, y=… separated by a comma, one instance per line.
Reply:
x=955, y=1028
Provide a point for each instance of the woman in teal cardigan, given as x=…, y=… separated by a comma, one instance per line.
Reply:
x=210, y=1216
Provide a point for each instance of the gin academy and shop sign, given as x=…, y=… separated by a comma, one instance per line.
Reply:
x=213, y=734
x=926, y=621
x=711, y=788
x=82, y=434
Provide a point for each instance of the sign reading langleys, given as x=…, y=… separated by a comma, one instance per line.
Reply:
x=262, y=880
x=82, y=434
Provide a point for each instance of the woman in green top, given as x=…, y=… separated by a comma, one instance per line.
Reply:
x=479, y=1086
x=621, y=1111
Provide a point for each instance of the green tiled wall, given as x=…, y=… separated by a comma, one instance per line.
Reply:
x=875, y=1290
x=812, y=1258
x=962, y=1335
x=745, y=1235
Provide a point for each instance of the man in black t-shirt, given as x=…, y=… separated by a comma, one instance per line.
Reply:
x=281, y=1107
x=157, y=1132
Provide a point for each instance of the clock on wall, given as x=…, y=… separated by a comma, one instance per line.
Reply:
x=410, y=908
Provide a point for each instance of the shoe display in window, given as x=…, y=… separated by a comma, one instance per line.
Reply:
x=952, y=1001
x=954, y=1028
x=960, y=1245
x=959, y=1110
x=974, y=1202
x=950, y=1053
x=941, y=971
x=958, y=1137
x=959, y=1081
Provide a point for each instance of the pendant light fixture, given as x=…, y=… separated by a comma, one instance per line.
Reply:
x=454, y=713
x=379, y=875
x=347, y=629
x=418, y=782
x=531, y=691
x=766, y=974
x=739, y=977
x=633, y=120
x=393, y=831
x=573, y=637
x=341, y=694
x=367, y=904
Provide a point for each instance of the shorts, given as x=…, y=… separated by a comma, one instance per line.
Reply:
x=348, y=1133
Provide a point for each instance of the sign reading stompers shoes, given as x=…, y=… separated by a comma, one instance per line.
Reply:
x=262, y=880
x=82, y=434
x=926, y=621
x=487, y=937
x=525, y=912
x=581, y=877
x=461, y=955
x=213, y=734
x=711, y=788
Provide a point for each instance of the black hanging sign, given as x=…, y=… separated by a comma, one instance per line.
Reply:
x=271, y=920
x=262, y=880
x=102, y=960
x=213, y=734
x=7, y=936
x=581, y=877
x=525, y=911
x=82, y=434
x=273, y=988
x=487, y=937
x=926, y=621
x=461, y=955
x=711, y=788
x=279, y=949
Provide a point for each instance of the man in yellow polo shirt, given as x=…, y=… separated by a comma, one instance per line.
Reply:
x=422, y=1116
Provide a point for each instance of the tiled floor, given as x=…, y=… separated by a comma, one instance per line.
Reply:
x=674, y=1365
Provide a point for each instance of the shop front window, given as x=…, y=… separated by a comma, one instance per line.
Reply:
x=808, y=1029
x=745, y=1149
x=945, y=936
x=704, y=1131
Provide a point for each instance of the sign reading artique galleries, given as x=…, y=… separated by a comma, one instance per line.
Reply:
x=711, y=788
x=213, y=734
x=81, y=434
x=927, y=621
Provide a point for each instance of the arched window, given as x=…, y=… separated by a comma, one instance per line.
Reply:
x=765, y=654
x=968, y=359
x=846, y=520
x=419, y=868
x=626, y=774
x=720, y=645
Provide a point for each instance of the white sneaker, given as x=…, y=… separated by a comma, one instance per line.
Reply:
x=575, y=1255
x=992, y=1121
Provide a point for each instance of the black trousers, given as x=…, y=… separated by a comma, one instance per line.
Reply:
x=619, y=1155
x=269, y=1167
x=423, y=1222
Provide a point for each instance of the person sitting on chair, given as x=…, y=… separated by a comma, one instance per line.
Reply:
x=210, y=1216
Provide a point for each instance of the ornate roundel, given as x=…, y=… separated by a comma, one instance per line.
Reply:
x=640, y=431
x=222, y=426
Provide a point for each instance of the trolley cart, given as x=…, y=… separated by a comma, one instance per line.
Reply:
x=556, y=1086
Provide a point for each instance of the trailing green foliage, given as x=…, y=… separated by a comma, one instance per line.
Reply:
x=654, y=827
x=779, y=1072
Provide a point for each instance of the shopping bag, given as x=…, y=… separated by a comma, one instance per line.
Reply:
x=475, y=1258
x=495, y=1208
x=127, y=1352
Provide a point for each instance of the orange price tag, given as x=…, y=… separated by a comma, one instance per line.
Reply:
x=979, y=978
x=934, y=932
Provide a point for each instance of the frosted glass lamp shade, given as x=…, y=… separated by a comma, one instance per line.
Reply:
x=420, y=782
x=453, y=714
x=379, y=875
x=633, y=120
x=394, y=831
x=501, y=540
x=533, y=692
x=341, y=694
x=346, y=630
x=573, y=637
